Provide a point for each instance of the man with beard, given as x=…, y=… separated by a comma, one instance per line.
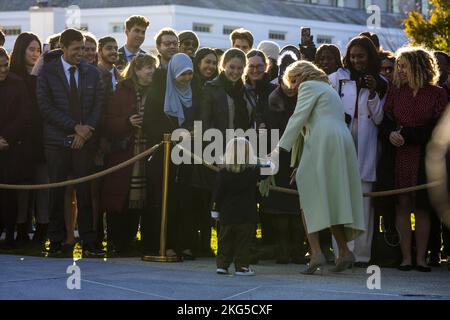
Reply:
x=135, y=28
x=167, y=45
x=108, y=57
x=110, y=76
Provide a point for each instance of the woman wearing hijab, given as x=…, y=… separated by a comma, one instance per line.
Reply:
x=164, y=114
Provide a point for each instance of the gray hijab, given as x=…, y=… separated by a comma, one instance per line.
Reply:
x=177, y=95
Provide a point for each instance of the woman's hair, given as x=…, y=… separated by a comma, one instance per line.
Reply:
x=334, y=50
x=53, y=40
x=231, y=54
x=239, y=155
x=199, y=55
x=18, y=63
x=387, y=55
x=258, y=53
x=138, y=62
x=374, y=63
x=89, y=37
x=373, y=37
x=421, y=67
x=304, y=71
x=4, y=53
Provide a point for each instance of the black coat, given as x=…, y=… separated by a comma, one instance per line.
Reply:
x=16, y=162
x=276, y=116
x=53, y=94
x=214, y=108
x=235, y=196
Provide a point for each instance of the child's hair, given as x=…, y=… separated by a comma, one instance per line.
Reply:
x=239, y=155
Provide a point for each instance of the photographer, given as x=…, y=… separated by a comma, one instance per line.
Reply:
x=358, y=84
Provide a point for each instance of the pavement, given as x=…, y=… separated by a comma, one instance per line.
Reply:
x=24, y=277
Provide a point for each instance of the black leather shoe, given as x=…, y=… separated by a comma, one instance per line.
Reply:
x=423, y=269
x=55, y=249
x=406, y=267
x=92, y=251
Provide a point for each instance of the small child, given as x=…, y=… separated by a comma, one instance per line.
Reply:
x=234, y=205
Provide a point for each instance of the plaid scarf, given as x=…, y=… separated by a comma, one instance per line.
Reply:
x=138, y=188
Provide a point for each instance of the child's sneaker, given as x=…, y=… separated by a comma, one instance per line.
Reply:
x=222, y=271
x=243, y=271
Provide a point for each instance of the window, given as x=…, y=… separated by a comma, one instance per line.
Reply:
x=202, y=27
x=383, y=4
x=349, y=3
x=277, y=35
x=323, y=2
x=228, y=29
x=324, y=39
x=11, y=31
x=117, y=27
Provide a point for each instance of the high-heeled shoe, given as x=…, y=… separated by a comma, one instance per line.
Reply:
x=343, y=263
x=316, y=262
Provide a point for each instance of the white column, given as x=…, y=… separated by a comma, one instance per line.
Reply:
x=47, y=21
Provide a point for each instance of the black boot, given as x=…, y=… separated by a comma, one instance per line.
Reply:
x=40, y=234
x=22, y=233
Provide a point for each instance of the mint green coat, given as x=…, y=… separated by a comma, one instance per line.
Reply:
x=328, y=179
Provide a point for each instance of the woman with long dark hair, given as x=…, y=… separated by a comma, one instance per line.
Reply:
x=26, y=52
x=362, y=92
x=202, y=179
x=223, y=105
x=15, y=117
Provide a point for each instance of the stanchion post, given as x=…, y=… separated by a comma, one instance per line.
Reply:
x=165, y=188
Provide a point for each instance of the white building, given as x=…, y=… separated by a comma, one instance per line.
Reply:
x=331, y=21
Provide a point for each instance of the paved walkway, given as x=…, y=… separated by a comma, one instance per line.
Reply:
x=45, y=278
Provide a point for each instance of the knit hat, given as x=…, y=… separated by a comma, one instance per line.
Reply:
x=270, y=48
x=287, y=58
x=188, y=35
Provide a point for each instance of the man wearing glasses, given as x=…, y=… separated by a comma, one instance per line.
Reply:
x=167, y=46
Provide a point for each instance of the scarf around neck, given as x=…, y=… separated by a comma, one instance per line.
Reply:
x=178, y=96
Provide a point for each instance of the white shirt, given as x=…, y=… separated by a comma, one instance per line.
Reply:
x=113, y=78
x=67, y=67
x=128, y=53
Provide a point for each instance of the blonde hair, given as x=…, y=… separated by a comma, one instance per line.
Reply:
x=239, y=155
x=303, y=71
x=138, y=62
x=421, y=67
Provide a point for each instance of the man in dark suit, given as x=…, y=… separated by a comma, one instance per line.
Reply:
x=70, y=96
x=135, y=28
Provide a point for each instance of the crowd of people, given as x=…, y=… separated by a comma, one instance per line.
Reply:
x=85, y=105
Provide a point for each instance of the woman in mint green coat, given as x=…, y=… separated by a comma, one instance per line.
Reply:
x=327, y=177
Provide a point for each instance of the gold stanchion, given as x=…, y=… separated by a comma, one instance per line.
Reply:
x=162, y=242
